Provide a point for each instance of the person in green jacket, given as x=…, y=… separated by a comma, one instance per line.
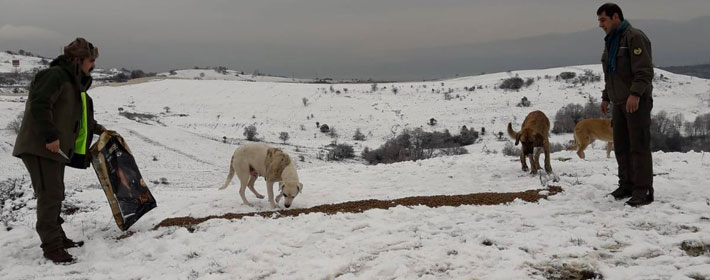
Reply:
x=56, y=131
x=628, y=75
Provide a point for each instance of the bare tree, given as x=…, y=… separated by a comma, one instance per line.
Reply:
x=284, y=136
x=250, y=133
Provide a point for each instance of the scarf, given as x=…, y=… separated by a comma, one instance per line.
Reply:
x=612, y=42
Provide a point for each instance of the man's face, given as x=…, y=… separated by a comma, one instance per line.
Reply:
x=87, y=65
x=608, y=23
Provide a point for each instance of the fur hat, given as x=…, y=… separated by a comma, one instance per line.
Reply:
x=80, y=48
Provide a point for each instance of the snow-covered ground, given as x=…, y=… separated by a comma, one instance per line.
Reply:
x=191, y=127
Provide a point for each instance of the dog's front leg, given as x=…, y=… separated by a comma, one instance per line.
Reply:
x=537, y=159
x=270, y=192
x=534, y=166
x=522, y=161
x=548, y=166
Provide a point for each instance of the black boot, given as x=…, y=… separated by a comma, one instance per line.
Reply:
x=59, y=256
x=641, y=197
x=68, y=243
x=621, y=193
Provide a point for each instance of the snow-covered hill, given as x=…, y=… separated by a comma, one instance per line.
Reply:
x=185, y=130
x=27, y=63
x=227, y=75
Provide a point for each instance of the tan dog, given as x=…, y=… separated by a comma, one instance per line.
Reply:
x=586, y=131
x=256, y=159
x=534, y=132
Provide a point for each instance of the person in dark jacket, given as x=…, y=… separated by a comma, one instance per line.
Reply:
x=628, y=73
x=56, y=131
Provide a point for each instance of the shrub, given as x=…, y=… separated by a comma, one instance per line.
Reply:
x=665, y=132
x=524, y=102
x=416, y=144
x=466, y=136
x=529, y=82
x=568, y=116
x=589, y=77
x=359, y=136
x=701, y=126
x=284, y=136
x=568, y=75
x=340, y=152
x=510, y=150
x=324, y=128
x=332, y=133
x=453, y=151
x=14, y=195
x=250, y=133
x=15, y=124
x=512, y=83
x=120, y=78
x=137, y=74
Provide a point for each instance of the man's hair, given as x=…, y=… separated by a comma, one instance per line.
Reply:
x=610, y=9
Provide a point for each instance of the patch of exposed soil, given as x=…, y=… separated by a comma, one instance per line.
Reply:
x=364, y=205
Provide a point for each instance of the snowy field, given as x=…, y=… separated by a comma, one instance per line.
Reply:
x=183, y=133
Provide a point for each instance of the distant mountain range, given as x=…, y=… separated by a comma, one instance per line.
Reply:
x=700, y=71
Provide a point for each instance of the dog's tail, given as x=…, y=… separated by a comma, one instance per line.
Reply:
x=513, y=135
x=230, y=175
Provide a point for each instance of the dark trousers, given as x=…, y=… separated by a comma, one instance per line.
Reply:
x=48, y=183
x=632, y=146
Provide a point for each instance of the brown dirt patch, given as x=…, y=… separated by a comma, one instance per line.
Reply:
x=364, y=205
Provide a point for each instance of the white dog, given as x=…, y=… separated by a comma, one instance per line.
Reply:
x=252, y=160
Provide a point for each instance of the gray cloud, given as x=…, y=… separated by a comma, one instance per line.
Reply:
x=305, y=38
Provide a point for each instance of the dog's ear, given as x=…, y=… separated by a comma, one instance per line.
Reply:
x=281, y=186
x=275, y=164
x=300, y=187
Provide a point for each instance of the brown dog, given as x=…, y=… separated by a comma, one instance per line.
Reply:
x=534, y=132
x=586, y=131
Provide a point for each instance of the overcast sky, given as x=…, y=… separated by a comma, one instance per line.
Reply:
x=304, y=38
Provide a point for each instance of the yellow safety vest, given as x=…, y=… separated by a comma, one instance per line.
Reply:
x=80, y=147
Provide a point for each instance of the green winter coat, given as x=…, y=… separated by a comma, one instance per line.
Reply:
x=53, y=111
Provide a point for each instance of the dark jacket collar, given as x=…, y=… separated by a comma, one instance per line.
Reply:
x=77, y=77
